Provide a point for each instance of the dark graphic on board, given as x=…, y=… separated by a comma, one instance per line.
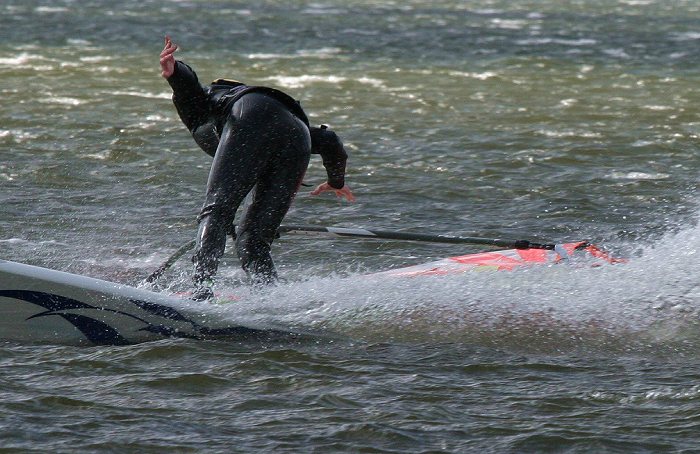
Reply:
x=99, y=332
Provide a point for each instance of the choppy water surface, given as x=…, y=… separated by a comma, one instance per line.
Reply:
x=544, y=120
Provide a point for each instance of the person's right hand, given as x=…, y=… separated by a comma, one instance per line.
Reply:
x=167, y=60
x=343, y=192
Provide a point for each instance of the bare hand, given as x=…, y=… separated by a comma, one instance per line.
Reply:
x=342, y=192
x=167, y=60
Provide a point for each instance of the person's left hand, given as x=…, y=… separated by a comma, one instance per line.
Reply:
x=342, y=192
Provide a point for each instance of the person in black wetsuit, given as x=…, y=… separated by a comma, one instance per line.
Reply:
x=261, y=141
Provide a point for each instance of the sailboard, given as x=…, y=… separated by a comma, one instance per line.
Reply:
x=40, y=305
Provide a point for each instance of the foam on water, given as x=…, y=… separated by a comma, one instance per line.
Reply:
x=20, y=60
x=140, y=94
x=322, y=53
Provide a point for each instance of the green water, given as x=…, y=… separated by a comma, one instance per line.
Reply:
x=544, y=120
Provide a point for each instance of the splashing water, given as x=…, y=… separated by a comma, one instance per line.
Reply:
x=649, y=303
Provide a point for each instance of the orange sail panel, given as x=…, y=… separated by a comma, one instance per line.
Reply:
x=506, y=260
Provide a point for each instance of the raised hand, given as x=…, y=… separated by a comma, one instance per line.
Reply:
x=167, y=60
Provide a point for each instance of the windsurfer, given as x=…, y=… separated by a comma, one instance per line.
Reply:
x=261, y=141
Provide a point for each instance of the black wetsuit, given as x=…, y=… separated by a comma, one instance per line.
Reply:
x=260, y=139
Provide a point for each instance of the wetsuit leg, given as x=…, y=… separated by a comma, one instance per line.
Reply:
x=272, y=198
x=260, y=141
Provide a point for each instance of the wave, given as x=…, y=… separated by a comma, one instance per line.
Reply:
x=309, y=79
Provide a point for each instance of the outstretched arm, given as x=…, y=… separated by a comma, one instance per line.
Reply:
x=188, y=94
x=189, y=98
